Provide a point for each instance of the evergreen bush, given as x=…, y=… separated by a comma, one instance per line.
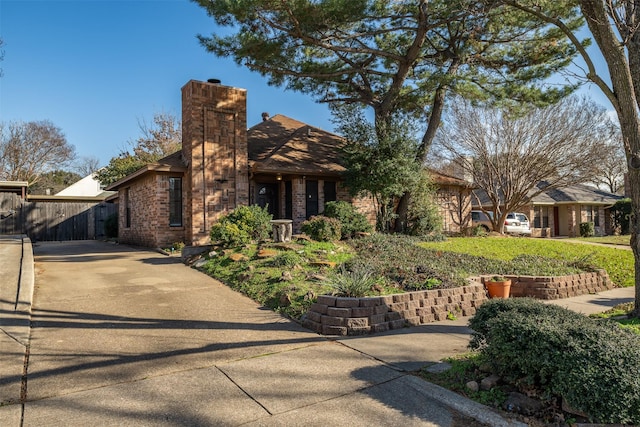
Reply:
x=587, y=229
x=322, y=228
x=242, y=225
x=593, y=364
x=621, y=213
x=351, y=221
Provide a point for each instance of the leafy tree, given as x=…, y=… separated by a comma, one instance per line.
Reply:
x=156, y=141
x=614, y=27
x=513, y=158
x=380, y=162
x=30, y=149
x=396, y=56
x=55, y=181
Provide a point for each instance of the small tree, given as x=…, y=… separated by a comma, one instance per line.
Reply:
x=380, y=162
x=515, y=157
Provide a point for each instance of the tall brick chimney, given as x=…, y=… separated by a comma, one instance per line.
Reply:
x=214, y=145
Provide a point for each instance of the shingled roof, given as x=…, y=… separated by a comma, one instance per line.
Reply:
x=171, y=163
x=574, y=194
x=284, y=145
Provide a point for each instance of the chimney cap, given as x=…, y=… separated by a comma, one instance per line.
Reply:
x=214, y=81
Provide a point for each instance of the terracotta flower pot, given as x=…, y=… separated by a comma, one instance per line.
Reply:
x=498, y=289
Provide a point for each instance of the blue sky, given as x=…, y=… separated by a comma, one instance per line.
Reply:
x=97, y=67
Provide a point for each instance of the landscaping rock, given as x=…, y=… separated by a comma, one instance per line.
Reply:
x=518, y=402
x=329, y=264
x=267, y=253
x=200, y=263
x=236, y=257
x=473, y=386
x=568, y=408
x=286, y=277
x=489, y=382
x=285, y=300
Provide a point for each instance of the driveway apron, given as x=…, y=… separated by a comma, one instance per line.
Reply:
x=124, y=336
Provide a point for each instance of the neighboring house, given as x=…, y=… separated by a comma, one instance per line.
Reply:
x=88, y=186
x=453, y=197
x=559, y=212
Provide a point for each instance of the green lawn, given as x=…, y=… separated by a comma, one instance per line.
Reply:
x=608, y=240
x=617, y=262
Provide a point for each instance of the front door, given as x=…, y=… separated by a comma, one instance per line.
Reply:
x=312, y=198
x=268, y=196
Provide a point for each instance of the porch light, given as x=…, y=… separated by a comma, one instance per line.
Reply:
x=279, y=177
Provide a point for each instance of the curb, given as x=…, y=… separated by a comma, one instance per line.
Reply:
x=464, y=406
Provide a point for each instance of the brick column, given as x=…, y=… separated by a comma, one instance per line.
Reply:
x=214, y=145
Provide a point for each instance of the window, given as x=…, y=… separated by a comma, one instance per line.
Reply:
x=593, y=214
x=329, y=191
x=175, y=202
x=127, y=208
x=540, y=217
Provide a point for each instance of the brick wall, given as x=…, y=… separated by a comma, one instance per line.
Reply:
x=149, y=207
x=356, y=316
x=560, y=286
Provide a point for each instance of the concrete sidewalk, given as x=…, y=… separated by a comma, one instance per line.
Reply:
x=123, y=336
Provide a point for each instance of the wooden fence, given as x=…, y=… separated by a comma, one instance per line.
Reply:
x=54, y=220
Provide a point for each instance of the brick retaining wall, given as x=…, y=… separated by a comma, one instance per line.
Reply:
x=358, y=316
x=560, y=286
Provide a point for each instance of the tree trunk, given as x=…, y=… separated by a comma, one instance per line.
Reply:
x=435, y=118
x=623, y=98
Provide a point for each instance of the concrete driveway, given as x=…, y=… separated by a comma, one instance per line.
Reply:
x=124, y=336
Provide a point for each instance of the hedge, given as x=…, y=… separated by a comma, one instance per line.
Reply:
x=593, y=364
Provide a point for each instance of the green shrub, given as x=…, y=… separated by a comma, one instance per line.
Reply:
x=242, y=225
x=424, y=216
x=322, y=228
x=287, y=259
x=111, y=226
x=587, y=229
x=593, y=364
x=229, y=234
x=356, y=281
x=351, y=221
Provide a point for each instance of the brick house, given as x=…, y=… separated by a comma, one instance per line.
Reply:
x=286, y=165
x=559, y=212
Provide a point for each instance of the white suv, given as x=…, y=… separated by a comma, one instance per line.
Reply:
x=516, y=223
